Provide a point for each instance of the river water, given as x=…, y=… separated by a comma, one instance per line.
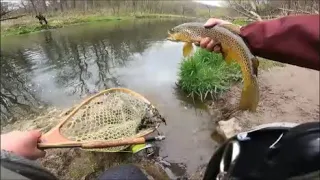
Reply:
x=60, y=67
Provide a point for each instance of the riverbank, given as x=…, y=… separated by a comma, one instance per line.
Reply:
x=29, y=24
x=288, y=94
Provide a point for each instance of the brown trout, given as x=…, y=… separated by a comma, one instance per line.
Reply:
x=233, y=49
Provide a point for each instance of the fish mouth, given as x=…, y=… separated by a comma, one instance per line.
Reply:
x=170, y=38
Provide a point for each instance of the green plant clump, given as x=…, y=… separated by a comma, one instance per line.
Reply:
x=206, y=74
x=240, y=22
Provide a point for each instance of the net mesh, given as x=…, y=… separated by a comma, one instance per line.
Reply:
x=110, y=116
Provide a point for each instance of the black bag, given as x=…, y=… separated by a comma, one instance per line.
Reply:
x=275, y=153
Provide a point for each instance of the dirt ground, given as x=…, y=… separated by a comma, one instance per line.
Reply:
x=287, y=94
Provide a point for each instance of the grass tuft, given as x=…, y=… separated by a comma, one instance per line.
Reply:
x=206, y=74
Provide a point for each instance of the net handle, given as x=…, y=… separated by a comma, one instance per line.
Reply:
x=54, y=138
x=94, y=144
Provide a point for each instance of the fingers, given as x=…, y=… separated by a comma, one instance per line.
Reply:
x=39, y=153
x=23, y=143
x=35, y=134
x=217, y=48
x=210, y=45
x=211, y=22
x=36, y=154
x=204, y=42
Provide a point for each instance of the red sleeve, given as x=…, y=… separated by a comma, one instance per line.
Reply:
x=291, y=39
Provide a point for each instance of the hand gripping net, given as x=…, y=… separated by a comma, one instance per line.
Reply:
x=115, y=114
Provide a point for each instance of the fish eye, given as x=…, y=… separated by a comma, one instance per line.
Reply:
x=171, y=30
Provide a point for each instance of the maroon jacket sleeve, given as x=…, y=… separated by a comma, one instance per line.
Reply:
x=291, y=39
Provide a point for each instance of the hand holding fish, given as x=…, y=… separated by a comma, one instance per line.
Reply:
x=269, y=39
x=208, y=43
x=214, y=21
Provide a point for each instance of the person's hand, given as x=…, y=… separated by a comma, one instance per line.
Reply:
x=23, y=143
x=208, y=43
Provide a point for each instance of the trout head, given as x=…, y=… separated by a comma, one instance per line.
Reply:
x=187, y=32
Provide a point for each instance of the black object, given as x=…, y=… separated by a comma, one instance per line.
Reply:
x=123, y=172
x=25, y=167
x=41, y=18
x=295, y=153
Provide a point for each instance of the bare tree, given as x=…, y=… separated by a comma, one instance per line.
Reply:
x=112, y=7
x=4, y=9
x=256, y=10
x=44, y=5
x=34, y=7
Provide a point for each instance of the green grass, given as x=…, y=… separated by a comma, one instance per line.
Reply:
x=25, y=29
x=29, y=24
x=240, y=22
x=206, y=74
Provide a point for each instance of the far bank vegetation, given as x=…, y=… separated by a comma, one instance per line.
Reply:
x=25, y=11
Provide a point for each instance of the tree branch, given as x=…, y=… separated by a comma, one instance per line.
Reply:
x=5, y=12
x=248, y=13
x=15, y=17
x=256, y=15
x=298, y=11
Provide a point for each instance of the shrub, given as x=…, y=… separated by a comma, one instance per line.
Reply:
x=206, y=74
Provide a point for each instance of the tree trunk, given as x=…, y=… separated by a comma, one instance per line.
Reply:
x=24, y=6
x=85, y=5
x=289, y=7
x=44, y=5
x=34, y=7
x=134, y=5
x=209, y=11
x=61, y=5
x=66, y=6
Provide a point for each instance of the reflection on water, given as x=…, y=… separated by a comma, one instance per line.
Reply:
x=60, y=67
x=64, y=65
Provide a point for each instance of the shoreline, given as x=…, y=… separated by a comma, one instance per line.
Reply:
x=30, y=25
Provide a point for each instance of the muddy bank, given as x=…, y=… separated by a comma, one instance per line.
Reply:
x=287, y=94
x=77, y=164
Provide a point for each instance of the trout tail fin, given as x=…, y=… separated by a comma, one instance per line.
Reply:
x=250, y=96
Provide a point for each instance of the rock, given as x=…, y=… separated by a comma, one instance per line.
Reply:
x=218, y=135
x=230, y=127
